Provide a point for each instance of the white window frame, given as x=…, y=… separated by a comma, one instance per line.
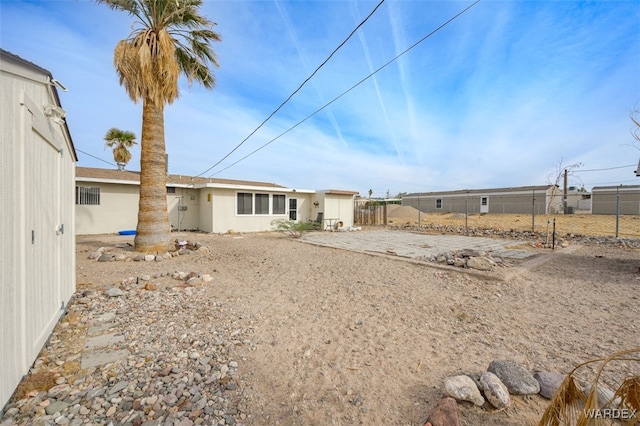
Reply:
x=238, y=213
x=259, y=195
x=87, y=195
x=284, y=204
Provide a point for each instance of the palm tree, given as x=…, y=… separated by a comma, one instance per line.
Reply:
x=169, y=38
x=120, y=141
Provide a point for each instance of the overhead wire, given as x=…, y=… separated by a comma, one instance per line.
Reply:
x=298, y=89
x=349, y=89
x=600, y=170
x=93, y=156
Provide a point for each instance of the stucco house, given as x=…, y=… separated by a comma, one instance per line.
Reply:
x=542, y=199
x=107, y=202
x=37, y=211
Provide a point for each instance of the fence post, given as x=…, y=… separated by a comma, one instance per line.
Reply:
x=617, y=210
x=533, y=211
x=385, y=213
x=466, y=214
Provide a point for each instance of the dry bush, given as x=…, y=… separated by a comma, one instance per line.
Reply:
x=38, y=381
x=570, y=405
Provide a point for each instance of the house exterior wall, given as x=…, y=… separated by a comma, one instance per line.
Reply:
x=184, y=209
x=209, y=205
x=38, y=245
x=118, y=209
x=604, y=200
x=225, y=217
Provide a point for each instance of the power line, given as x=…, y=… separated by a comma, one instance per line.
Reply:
x=97, y=158
x=348, y=90
x=600, y=170
x=298, y=89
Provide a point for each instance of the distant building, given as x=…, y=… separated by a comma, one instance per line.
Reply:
x=544, y=199
x=611, y=199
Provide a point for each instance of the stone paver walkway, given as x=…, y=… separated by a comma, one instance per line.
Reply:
x=414, y=245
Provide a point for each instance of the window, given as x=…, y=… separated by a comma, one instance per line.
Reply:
x=293, y=209
x=262, y=204
x=87, y=196
x=278, y=204
x=484, y=201
x=438, y=203
x=254, y=204
x=171, y=189
x=244, y=203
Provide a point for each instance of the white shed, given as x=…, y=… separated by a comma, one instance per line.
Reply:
x=37, y=211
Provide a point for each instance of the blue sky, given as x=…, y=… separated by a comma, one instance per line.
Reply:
x=498, y=97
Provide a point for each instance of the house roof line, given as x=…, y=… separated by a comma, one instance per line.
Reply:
x=483, y=191
x=620, y=188
x=126, y=177
x=338, y=192
x=10, y=57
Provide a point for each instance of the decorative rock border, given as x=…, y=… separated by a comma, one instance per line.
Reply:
x=502, y=379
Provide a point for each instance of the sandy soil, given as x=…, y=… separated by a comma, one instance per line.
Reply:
x=348, y=338
x=578, y=224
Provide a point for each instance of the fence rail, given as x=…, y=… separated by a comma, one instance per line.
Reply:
x=621, y=225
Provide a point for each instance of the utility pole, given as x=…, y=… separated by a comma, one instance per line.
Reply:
x=565, y=192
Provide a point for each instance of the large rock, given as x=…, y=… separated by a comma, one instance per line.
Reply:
x=549, y=382
x=445, y=414
x=515, y=377
x=480, y=263
x=463, y=388
x=495, y=391
x=115, y=292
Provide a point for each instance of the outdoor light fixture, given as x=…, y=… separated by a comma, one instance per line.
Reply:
x=58, y=84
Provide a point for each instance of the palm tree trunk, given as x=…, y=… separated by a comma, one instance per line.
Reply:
x=152, y=232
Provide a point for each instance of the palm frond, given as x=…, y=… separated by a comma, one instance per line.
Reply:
x=569, y=405
x=565, y=406
x=171, y=38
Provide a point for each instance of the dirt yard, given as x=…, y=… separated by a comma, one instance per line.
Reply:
x=577, y=224
x=345, y=338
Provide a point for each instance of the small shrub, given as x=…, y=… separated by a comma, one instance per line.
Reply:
x=295, y=229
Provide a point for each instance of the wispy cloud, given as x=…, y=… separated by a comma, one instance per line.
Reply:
x=495, y=98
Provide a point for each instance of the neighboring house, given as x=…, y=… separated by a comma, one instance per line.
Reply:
x=107, y=202
x=611, y=199
x=524, y=199
x=37, y=212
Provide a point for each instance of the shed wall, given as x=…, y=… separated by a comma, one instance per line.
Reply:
x=38, y=248
x=339, y=207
